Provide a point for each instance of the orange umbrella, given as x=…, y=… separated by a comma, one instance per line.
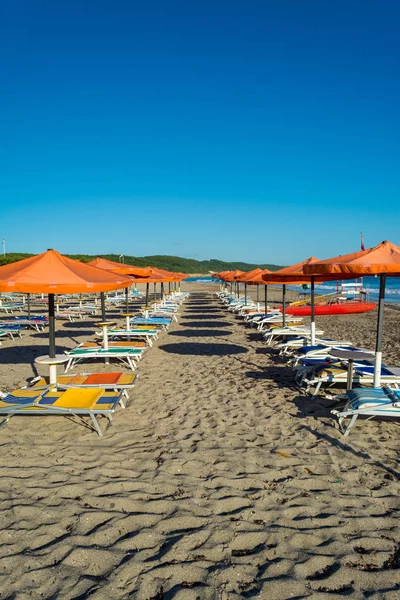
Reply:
x=52, y=273
x=122, y=269
x=381, y=260
x=258, y=280
x=232, y=276
x=246, y=278
x=292, y=275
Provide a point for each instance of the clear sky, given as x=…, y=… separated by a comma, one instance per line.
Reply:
x=249, y=130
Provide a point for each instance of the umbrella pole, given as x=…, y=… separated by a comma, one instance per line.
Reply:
x=379, y=332
x=284, y=305
x=312, y=312
x=245, y=294
x=147, y=295
x=169, y=287
x=103, y=306
x=258, y=298
x=29, y=306
x=126, y=300
x=155, y=292
x=266, y=298
x=52, y=328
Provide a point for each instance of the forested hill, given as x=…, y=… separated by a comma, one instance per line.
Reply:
x=169, y=263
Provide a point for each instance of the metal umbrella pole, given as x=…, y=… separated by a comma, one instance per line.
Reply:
x=126, y=300
x=245, y=293
x=52, y=328
x=284, y=305
x=147, y=294
x=312, y=311
x=258, y=298
x=155, y=291
x=379, y=332
x=29, y=306
x=266, y=298
x=103, y=306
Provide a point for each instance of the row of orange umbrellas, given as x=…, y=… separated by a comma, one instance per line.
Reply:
x=52, y=273
x=383, y=260
x=145, y=275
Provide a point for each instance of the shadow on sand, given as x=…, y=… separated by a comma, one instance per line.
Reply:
x=199, y=349
x=206, y=324
x=200, y=332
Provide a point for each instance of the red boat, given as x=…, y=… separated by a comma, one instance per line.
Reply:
x=345, y=308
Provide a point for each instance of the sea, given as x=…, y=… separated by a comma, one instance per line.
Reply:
x=370, y=285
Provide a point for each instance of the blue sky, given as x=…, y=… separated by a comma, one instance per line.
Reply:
x=261, y=131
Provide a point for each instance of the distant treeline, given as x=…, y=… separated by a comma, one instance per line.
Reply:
x=169, y=263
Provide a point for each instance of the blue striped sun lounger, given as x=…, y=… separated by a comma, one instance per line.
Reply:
x=375, y=402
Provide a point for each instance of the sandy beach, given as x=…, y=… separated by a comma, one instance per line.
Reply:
x=219, y=481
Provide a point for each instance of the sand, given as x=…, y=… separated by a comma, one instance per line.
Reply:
x=218, y=481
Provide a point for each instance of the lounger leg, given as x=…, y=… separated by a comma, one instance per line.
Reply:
x=317, y=388
x=5, y=421
x=96, y=424
x=350, y=425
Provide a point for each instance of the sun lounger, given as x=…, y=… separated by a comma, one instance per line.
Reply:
x=275, y=333
x=376, y=402
x=127, y=356
x=70, y=315
x=112, y=344
x=117, y=381
x=11, y=331
x=78, y=401
x=298, y=349
x=147, y=334
x=164, y=322
x=336, y=374
x=36, y=324
x=10, y=308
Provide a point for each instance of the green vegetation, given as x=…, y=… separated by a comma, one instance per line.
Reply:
x=169, y=263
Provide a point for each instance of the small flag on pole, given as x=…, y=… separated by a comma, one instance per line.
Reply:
x=362, y=241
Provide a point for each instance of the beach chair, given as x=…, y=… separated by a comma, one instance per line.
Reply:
x=113, y=344
x=273, y=334
x=127, y=356
x=296, y=348
x=117, y=382
x=375, y=402
x=11, y=331
x=163, y=322
x=10, y=308
x=148, y=334
x=336, y=374
x=72, y=402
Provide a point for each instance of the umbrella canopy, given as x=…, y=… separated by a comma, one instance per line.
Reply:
x=121, y=269
x=249, y=275
x=53, y=273
x=381, y=260
x=258, y=279
x=232, y=276
x=292, y=274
